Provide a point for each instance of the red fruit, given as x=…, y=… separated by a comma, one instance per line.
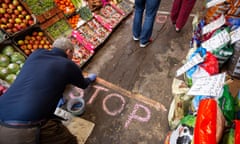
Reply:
x=16, y=12
x=7, y=1
x=30, y=22
x=4, y=5
x=24, y=12
x=11, y=6
x=4, y=20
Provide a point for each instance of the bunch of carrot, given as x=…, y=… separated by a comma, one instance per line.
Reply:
x=66, y=6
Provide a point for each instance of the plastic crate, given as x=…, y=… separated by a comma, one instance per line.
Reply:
x=33, y=39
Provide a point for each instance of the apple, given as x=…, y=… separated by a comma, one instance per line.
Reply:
x=6, y=15
x=4, y=5
x=3, y=26
x=18, y=20
x=9, y=30
x=16, y=12
x=11, y=6
x=24, y=12
x=9, y=25
x=27, y=17
x=30, y=22
x=7, y=1
x=11, y=21
x=20, y=16
x=10, y=11
x=4, y=20
x=20, y=8
x=2, y=10
x=15, y=2
x=14, y=29
x=20, y=42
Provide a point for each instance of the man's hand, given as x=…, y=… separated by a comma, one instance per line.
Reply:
x=92, y=77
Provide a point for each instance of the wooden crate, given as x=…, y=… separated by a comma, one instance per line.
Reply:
x=57, y=26
x=43, y=17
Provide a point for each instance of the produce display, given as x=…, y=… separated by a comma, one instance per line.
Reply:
x=108, y=16
x=66, y=6
x=32, y=41
x=85, y=13
x=125, y=6
x=81, y=54
x=75, y=21
x=14, y=17
x=59, y=28
x=77, y=3
x=38, y=7
x=11, y=62
x=94, y=32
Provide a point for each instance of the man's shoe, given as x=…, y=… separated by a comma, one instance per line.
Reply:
x=143, y=45
x=135, y=38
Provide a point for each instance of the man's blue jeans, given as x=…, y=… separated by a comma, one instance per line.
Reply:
x=143, y=30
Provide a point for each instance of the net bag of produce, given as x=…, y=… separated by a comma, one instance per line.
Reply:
x=180, y=104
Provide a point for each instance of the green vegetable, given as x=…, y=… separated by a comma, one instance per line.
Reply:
x=8, y=50
x=4, y=60
x=10, y=78
x=13, y=68
x=3, y=72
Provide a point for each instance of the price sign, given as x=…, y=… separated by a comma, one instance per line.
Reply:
x=214, y=25
x=194, y=61
x=235, y=35
x=216, y=41
x=208, y=86
x=214, y=3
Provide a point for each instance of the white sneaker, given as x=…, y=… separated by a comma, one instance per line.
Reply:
x=136, y=39
x=143, y=45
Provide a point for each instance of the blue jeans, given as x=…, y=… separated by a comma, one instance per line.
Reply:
x=143, y=30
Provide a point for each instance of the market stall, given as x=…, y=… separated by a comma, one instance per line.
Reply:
x=30, y=24
x=204, y=110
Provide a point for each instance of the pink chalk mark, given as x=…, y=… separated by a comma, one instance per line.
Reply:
x=76, y=92
x=98, y=89
x=113, y=113
x=134, y=116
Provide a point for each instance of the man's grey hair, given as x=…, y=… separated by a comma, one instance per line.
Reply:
x=63, y=43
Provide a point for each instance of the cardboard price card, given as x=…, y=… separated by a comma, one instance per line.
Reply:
x=208, y=86
x=214, y=25
x=194, y=61
x=216, y=41
x=235, y=35
x=214, y=3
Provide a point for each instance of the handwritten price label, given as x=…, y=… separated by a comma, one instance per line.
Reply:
x=235, y=35
x=194, y=61
x=208, y=86
x=214, y=2
x=216, y=41
x=214, y=25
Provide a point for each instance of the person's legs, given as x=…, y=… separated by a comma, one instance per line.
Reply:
x=150, y=14
x=138, y=16
x=10, y=135
x=175, y=10
x=54, y=132
x=184, y=13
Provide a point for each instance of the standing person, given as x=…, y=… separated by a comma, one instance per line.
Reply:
x=27, y=107
x=143, y=30
x=180, y=12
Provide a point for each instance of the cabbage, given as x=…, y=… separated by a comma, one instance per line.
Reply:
x=10, y=78
x=4, y=60
x=13, y=68
x=17, y=57
x=3, y=72
x=8, y=50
